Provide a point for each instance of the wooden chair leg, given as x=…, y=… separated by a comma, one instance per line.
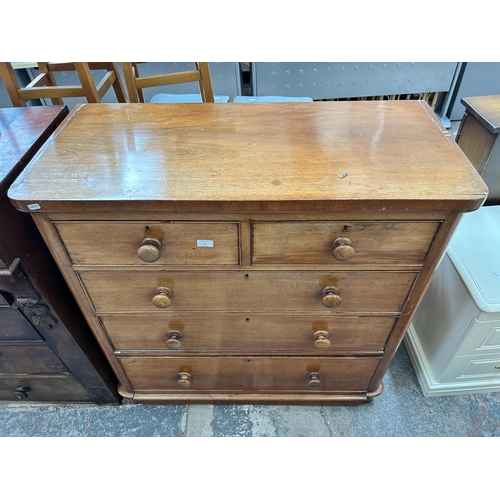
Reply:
x=206, y=82
x=128, y=75
x=118, y=85
x=87, y=82
x=139, y=91
x=11, y=84
x=43, y=68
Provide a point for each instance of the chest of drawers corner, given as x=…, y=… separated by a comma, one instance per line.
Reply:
x=249, y=254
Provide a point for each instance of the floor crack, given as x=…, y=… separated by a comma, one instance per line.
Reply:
x=184, y=421
x=327, y=424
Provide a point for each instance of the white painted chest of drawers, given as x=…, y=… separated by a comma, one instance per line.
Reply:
x=454, y=338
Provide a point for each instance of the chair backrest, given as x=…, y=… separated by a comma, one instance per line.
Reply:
x=45, y=86
x=135, y=83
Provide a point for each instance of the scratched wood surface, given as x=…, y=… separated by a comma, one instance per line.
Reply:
x=22, y=132
x=375, y=155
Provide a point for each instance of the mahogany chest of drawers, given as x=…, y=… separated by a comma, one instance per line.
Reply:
x=257, y=253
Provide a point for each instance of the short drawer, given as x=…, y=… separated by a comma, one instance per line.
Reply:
x=356, y=291
x=29, y=389
x=388, y=242
x=242, y=373
x=168, y=243
x=29, y=359
x=198, y=332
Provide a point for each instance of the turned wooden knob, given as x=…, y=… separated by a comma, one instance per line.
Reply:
x=184, y=380
x=162, y=297
x=149, y=251
x=342, y=249
x=173, y=341
x=331, y=297
x=21, y=392
x=314, y=380
x=321, y=339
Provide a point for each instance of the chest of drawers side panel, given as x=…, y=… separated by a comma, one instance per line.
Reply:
x=55, y=245
x=434, y=256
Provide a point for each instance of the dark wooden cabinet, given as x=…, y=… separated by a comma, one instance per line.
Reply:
x=478, y=139
x=47, y=352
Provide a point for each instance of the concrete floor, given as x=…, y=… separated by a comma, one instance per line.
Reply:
x=401, y=410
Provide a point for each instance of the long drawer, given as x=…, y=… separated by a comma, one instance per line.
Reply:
x=224, y=333
x=29, y=359
x=42, y=389
x=311, y=242
x=180, y=243
x=244, y=373
x=358, y=291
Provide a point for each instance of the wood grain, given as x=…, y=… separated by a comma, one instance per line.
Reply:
x=44, y=388
x=311, y=242
x=181, y=243
x=280, y=184
x=223, y=333
x=255, y=291
x=485, y=108
x=22, y=133
x=476, y=141
x=252, y=373
x=309, y=156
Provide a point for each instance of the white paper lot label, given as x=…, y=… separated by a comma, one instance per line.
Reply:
x=205, y=243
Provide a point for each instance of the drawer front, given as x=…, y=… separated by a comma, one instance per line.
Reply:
x=181, y=243
x=242, y=373
x=483, y=337
x=180, y=333
x=478, y=367
x=376, y=243
x=29, y=359
x=14, y=326
x=42, y=389
x=254, y=291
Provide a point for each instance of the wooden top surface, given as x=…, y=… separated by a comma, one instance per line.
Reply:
x=22, y=132
x=368, y=155
x=486, y=109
